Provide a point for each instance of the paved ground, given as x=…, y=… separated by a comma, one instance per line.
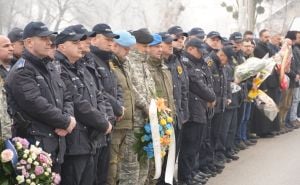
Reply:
x=274, y=161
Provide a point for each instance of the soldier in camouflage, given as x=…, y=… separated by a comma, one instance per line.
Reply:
x=144, y=87
x=6, y=55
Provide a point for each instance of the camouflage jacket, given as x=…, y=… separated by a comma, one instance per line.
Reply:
x=143, y=84
x=5, y=121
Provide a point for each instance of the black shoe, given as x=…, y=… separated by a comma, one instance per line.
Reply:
x=212, y=168
x=204, y=175
x=248, y=143
x=253, y=136
x=253, y=140
x=242, y=146
x=208, y=171
x=233, y=157
x=269, y=135
x=228, y=160
x=219, y=165
x=200, y=179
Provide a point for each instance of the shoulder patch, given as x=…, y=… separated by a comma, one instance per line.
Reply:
x=20, y=63
x=184, y=59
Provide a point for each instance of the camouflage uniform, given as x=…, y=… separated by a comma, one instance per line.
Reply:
x=5, y=121
x=164, y=89
x=131, y=171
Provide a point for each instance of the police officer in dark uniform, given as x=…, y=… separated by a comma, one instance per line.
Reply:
x=16, y=38
x=88, y=61
x=223, y=92
x=78, y=167
x=213, y=42
x=38, y=101
x=180, y=83
x=179, y=37
x=101, y=49
x=201, y=96
x=197, y=33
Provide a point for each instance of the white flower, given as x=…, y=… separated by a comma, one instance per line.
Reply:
x=48, y=170
x=26, y=151
x=32, y=183
x=32, y=176
x=29, y=160
x=28, y=181
x=46, y=174
x=25, y=156
x=35, y=163
x=33, y=156
x=6, y=155
x=20, y=179
x=19, y=145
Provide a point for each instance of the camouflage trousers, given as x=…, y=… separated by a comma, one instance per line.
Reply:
x=124, y=167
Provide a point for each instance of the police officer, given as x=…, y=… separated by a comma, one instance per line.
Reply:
x=88, y=61
x=196, y=33
x=39, y=103
x=101, y=49
x=213, y=42
x=78, y=167
x=180, y=83
x=201, y=96
x=16, y=38
x=223, y=92
x=179, y=37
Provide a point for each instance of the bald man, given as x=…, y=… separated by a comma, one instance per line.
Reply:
x=6, y=54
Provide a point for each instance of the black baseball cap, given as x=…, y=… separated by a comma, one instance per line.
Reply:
x=80, y=29
x=105, y=30
x=213, y=34
x=228, y=50
x=236, y=37
x=142, y=36
x=16, y=34
x=166, y=37
x=177, y=30
x=68, y=35
x=195, y=42
x=198, y=32
x=36, y=29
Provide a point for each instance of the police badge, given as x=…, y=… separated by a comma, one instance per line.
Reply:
x=179, y=70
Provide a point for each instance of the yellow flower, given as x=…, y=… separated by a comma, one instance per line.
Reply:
x=163, y=122
x=161, y=106
x=169, y=119
x=169, y=132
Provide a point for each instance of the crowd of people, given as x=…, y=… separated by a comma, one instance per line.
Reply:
x=84, y=94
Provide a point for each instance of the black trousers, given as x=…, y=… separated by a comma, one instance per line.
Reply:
x=102, y=158
x=78, y=170
x=192, y=137
x=232, y=117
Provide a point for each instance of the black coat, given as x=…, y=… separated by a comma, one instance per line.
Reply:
x=200, y=89
x=91, y=118
x=89, y=62
x=220, y=82
x=262, y=49
x=108, y=79
x=180, y=87
x=39, y=102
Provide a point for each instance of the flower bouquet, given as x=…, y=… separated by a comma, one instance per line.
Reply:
x=25, y=163
x=144, y=143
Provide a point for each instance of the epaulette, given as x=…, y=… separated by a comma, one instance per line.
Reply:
x=20, y=63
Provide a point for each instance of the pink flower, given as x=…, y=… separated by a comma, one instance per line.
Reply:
x=6, y=155
x=56, y=178
x=43, y=158
x=28, y=166
x=24, y=142
x=23, y=162
x=38, y=170
x=24, y=172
